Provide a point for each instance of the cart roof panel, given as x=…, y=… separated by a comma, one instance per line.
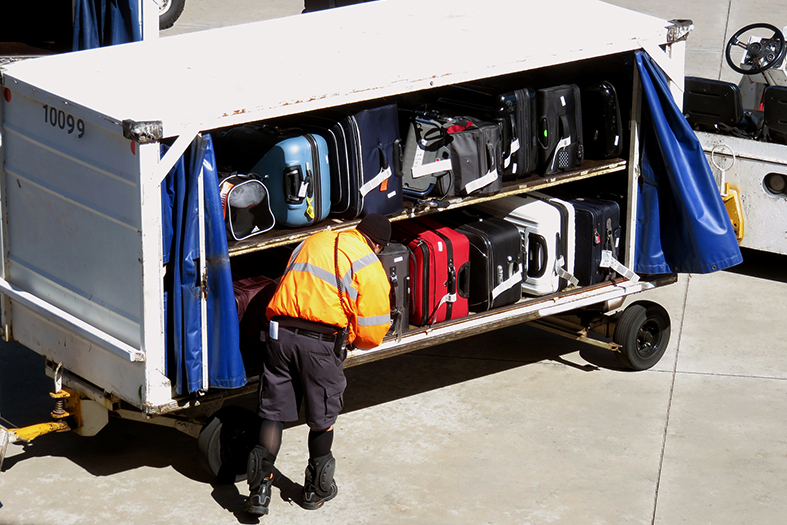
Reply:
x=235, y=74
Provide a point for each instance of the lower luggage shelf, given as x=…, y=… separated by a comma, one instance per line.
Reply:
x=528, y=309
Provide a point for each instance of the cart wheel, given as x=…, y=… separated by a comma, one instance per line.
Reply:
x=643, y=333
x=225, y=441
x=169, y=11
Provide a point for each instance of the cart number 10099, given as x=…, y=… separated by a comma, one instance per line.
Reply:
x=60, y=119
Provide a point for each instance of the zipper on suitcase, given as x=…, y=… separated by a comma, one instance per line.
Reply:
x=358, y=151
x=316, y=178
x=452, y=278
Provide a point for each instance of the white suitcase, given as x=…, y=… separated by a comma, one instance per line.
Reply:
x=541, y=224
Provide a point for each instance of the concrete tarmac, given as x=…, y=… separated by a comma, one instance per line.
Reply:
x=516, y=427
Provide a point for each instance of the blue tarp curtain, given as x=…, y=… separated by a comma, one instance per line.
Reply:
x=99, y=23
x=682, y=224
x=180, y=204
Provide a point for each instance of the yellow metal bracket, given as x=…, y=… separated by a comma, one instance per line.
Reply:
x=732, y=201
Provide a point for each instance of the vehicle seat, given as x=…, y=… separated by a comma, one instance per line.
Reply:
x=707, y=103
x=775, y=111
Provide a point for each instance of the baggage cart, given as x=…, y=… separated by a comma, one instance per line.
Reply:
x=83, y=281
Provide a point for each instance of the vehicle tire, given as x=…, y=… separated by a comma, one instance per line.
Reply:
x=643, y=332
x=169, y=11
x=225, y=441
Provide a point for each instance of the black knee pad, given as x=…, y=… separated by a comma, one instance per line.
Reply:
x=259, y=466
x=323, y=469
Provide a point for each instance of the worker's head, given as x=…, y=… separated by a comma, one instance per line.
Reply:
x=376, y=228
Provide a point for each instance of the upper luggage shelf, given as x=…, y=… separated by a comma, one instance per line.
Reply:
x=226, y=76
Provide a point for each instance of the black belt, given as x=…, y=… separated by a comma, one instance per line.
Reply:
x=328, y=338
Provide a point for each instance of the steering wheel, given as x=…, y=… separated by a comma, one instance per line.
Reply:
x=762, y=55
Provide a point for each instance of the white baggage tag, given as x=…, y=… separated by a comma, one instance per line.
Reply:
x=563, y=273
x=514, y=280
x=477, y=184
x=608, y=261
x=514, y=146
x=376, y=181
x=422, y=170
x=418, y=160
x=303, y=190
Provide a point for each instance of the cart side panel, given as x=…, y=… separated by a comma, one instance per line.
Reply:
x=747, y=164
x=73, y=214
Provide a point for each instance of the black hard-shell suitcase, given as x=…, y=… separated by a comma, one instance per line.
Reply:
x=364, y=151
x=497, y=262
x=516, y=113
x=559, y=123
x=597, y=229
x=601, y=123
x=541, y=225
x=395, y=258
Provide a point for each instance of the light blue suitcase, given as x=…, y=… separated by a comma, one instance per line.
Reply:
x=297, y=175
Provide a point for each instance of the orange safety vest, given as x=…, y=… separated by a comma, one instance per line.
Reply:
x=308, y=287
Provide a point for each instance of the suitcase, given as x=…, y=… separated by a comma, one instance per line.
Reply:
x=497, y=263
x=296, y=172
x=567, y=233
x=439, y=270
x=601, y=124
x=425, y=160
x=514, y=110
x=559, y=121
x=459, y=158
x=395, y=258
x=364, y=151
x=540, y=225
x=252, y=296
x=597, y=229
x=474, y=150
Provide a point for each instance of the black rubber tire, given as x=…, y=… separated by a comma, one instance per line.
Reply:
x=643, y=332
x=225, y=441
x=169, y=12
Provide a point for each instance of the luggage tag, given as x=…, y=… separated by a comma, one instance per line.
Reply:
x=561, y=271
x=608, y=261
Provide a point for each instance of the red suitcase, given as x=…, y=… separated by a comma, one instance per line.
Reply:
x=439, y=270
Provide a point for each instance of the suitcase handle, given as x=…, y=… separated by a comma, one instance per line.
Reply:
x=464, y=280
x=537, y=255
x=294, y=184
x=490, y=157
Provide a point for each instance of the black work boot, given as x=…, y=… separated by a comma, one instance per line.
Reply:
x=259, y=472
x=319, y=485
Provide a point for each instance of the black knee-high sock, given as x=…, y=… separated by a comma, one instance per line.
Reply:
x=270, y=436
x=320, y=443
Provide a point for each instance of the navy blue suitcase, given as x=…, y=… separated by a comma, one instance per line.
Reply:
x=597, y=229
x=364, y=150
